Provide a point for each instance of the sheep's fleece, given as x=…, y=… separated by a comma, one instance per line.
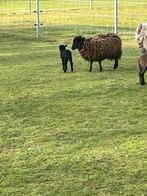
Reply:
x=141, y=37
x=104, y=46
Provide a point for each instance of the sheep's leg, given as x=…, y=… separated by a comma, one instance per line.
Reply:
x=101, y=69
x=115, y=64
x=90, y=66
x=141, y=75
x=71, y=63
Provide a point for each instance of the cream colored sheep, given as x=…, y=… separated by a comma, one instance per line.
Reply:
x=141, y=37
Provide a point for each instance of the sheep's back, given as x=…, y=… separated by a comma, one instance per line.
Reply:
x=104, y=46
x=111, y=48
x=141, y=37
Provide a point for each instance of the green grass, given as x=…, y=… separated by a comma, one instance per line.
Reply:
x=77, y=133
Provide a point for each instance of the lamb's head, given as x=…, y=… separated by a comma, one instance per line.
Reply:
x=62, y=47
x=78, y=42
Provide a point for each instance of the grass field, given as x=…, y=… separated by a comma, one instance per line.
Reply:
x=77, y=133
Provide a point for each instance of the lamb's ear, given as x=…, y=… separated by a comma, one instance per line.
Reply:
x=65, y=45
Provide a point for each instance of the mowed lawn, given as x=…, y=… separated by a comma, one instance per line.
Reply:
x=77, y=133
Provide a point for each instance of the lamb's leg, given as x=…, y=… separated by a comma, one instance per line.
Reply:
x=64, y=66
x=115, y=64
x=101, y=69
x=90, y=66
x=141, y=74
x=71, y=63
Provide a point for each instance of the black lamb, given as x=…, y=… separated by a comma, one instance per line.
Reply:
x=65, y=56
x=103, y=46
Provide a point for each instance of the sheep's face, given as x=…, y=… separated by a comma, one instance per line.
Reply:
x=139, y=38
x=62, y=47
x=77, y=42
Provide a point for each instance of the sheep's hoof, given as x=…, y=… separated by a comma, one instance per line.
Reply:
x=143, y=83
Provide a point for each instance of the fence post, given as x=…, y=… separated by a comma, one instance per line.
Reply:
x=30, y=6
x=37, y=19
x=90, y=1
x=115, y=16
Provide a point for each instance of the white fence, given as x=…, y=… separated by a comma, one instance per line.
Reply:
x=78, y=16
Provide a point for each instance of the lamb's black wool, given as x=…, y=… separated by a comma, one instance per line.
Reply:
x=104, y=46
x=65, y=56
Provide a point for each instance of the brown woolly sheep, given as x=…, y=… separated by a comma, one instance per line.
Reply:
x=104, y=46
x=142, y=64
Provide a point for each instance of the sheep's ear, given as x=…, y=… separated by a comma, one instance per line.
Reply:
x=80, y=38
x=65, y=46
x=83, y=38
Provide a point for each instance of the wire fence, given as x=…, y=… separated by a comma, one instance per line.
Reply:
x=72, y=16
